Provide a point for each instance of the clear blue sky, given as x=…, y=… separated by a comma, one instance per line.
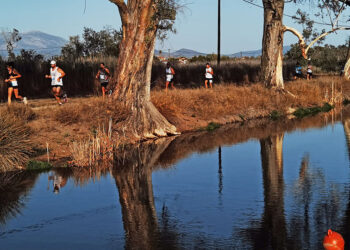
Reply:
x=242, y=24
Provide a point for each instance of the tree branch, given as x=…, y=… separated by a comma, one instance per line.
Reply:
x=323, y=35
x=302, y=43
x=123, y=10
x=304, y=49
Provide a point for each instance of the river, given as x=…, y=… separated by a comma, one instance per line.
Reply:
x=267, y=185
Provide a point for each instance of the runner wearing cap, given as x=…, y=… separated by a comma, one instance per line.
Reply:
x=12, y=84
x=103, y=75
x=56, y=75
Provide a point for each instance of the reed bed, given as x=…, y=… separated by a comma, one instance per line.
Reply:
x=80, y=75
x=98, y=148
x=15, y=144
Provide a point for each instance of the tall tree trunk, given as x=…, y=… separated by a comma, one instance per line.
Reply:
x=133, y=72
x=272, y=45
x=274, y=226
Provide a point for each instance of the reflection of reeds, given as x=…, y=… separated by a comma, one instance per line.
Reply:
x=99, y=147
x=14, y=186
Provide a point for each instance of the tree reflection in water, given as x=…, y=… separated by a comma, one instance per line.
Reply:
x=133, y=177
x=311, y=209
x=14, y=188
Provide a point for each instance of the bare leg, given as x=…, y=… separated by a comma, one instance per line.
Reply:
x=206, y=84
x=166, y=86
x=211, y=84
x=17, y=95
x=9, y=95
x=172, y=85
x=103, y=92
x=56, y=92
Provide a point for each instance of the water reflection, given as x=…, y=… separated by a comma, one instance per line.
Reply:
x=14, y=188
x=133, y=177
x=220, y=174
x=294, y=215
x=273, y=222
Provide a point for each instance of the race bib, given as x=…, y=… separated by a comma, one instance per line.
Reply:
x=102, y=77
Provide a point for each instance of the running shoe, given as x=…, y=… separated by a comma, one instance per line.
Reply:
x=25, y=101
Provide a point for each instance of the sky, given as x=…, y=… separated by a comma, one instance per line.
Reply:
x=196, y=25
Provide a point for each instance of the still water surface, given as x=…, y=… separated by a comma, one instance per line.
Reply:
x=274, y=187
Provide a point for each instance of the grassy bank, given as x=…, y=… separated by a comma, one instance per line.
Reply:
x=86, y=130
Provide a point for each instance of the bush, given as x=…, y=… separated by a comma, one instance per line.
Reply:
x=15, y=146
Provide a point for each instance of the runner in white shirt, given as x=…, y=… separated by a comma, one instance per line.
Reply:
x=56, y=75
x=208, y=76
x=170, y=72
x=309, y=72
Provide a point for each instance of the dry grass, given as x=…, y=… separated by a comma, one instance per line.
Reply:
x=90, y=152
x=76, y=129
x=244, y=102
x=22, y=112
x=15, y=145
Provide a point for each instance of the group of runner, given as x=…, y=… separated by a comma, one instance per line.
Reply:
x=56, y=75
x=299, y=74
x=170, y=74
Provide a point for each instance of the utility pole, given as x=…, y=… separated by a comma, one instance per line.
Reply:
x=219, y=32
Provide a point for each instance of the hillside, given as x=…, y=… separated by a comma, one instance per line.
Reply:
x=43, y=43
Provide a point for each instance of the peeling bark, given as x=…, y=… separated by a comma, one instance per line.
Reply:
x=133, y=70
x=272, y=45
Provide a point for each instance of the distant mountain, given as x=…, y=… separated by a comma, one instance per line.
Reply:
x=180, y=53
x=45, y=44
x=255, y=53
x=191, y=53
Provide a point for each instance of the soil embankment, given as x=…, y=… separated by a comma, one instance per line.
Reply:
x=67, y=130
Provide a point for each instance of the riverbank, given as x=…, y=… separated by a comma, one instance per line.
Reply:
x=81, y=129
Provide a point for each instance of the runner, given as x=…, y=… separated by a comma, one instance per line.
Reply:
x=309, y=72
x=103, y=75
x=12, y=83
x=56, y=75
x=170, y=73
x=298, y=73
x=208, y=76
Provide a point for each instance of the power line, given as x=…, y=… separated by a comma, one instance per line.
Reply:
x=293, y=17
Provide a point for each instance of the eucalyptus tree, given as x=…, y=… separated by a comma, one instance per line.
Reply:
x=141, y=21
x=274, y=29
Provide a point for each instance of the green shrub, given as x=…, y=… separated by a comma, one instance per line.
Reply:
x=38, y=165
x=302, y=112
x=212, y=126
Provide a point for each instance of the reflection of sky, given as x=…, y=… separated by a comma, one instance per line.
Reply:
x=90, y=216
x=191, y=190
x=87, y=217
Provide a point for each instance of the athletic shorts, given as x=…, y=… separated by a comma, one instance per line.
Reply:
x=209, y=79
x=104, y=84
x=9, y=85
x=309, y=73
x=56, y=86
x=169, y=78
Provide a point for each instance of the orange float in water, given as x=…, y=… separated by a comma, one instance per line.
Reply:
x=333, y=241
